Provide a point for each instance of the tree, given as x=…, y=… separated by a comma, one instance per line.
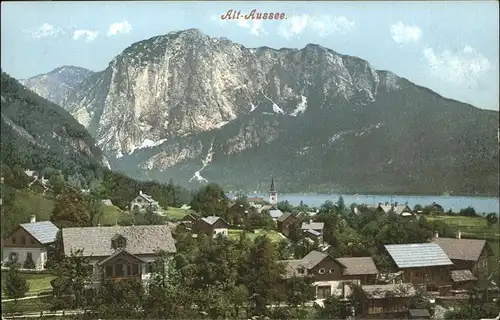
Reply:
x=333, y=308
x=284, y=206
x=468, y=212
x=57, y=182
x=340, y=204
x=120, y=299
x=210, y=200
x=298, y=291
x=262, y=274
x=327, y=207
x=15, y=285
x=29, y=263
x=491, y=219
x=74, y=273
x=71, y=210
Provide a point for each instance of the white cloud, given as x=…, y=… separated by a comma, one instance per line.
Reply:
x=402, y=33
x=119, y=27
x=255, y=26
x=45, y=30
x=87, y=35
x=323, y=25
x=464, y=66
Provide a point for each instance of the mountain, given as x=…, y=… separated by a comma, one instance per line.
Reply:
x=37, y=133
x=195, y=108
x=55, y=85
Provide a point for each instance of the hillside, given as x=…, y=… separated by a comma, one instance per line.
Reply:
x=195, y=108
x=37, y=133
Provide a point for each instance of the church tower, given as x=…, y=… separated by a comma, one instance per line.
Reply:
x=273, y=195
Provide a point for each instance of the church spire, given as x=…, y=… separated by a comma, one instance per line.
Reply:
x=273, y=195
x=272, y=186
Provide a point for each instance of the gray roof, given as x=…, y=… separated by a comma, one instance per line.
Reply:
x=284, y=216
x=381, y=291
x=462, y=275
x=211, y=219
x=43, y=231
x=313, y=232
x=358, y=265
x=276, y=213
x=313, y=225
x=419, y=313
x=96, y=241
x=148, y=198
x=461, y=249
x=418, y=255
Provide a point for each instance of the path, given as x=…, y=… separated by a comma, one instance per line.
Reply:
x=27, y=298
x=45, y=313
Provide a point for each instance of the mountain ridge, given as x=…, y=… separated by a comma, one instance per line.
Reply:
x=187, y=105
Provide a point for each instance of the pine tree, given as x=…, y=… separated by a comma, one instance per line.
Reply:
x=15, y=285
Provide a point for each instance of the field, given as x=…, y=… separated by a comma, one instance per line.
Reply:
x=476, y=227
x=28, y=305
x=274, y=236
x=176, y=214
x=38, y=283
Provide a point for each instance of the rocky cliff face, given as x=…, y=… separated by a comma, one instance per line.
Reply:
x=55, y=85
x=196, y=108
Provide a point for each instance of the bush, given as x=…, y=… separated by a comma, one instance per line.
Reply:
x=29, y=263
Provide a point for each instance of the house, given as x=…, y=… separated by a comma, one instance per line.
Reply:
x=119, y=252
x=264, y=208
x=185, y=207
x=275, y=214
x=237, y=212
x=436, y=207
x=470, y=254
x=107, y=202
x=331, y=275
x=463, y=279
x=397, y=208
x=313, y=230
x=285, y=222
x=383, y=299
x=29, y=241
x=211, y=225
x=423, y=264
x=419, y=314
x=142, y=202
x=189, y=219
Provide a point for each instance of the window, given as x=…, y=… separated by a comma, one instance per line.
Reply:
x=331, y=270
x=109, y=271
x=29, y=256
x=13, y=256
x=120, y=243
x=324, y=292
x=23, y=240
x=119, y=270
x=321, y=271
x=151, y=267
x=14, y=240
x=32, y=241
x=135, y=270
x=129, y=270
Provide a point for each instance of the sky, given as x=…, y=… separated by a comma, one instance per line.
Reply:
x=449, y=47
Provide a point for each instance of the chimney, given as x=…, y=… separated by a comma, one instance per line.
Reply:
x=380, y=203
x=436, y=234
x=396, y=204
x=459, y=234
x=33, y=219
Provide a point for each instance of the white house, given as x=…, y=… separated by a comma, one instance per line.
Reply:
x=29, y=241
x=119, y=252
x=142, y=202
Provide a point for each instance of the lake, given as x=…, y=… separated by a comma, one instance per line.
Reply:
x=480, y=204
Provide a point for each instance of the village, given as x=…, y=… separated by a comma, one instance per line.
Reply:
x=444, y=270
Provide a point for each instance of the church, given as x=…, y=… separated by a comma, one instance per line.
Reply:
x=273, y=195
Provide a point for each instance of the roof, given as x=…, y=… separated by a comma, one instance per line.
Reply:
x=381, y=291
x=313, y=258
x=43, y=231
x=400, y=208
x=418, y=255
x=146, y=197
x=461, y=249
x=292, y=267
x=358, y=265
x=273, y=188
x=116, y=254
x=419, y=313
x=212, y=219
x=96, y=241
x=313, y=225
x=313, y=232
x=284, y=216
x=462, y=275
x=275, y=213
